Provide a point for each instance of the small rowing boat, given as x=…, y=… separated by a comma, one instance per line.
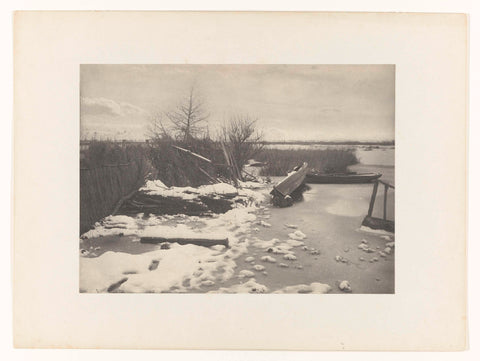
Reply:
x=293, y=183
x=341, y=178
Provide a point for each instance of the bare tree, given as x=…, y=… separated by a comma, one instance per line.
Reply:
x=188, y=116
x=243, y=137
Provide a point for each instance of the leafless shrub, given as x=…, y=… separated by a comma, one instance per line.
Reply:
x=243, y=138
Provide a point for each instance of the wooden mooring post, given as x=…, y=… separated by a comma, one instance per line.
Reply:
x=379, y=223
x=385, y=193
x=372, y=199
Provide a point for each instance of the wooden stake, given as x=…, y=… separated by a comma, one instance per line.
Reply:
x=229, y=163
x=372, y=199
x=208, y=175
x=385, y=192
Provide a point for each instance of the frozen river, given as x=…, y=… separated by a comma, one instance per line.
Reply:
x=330, y=215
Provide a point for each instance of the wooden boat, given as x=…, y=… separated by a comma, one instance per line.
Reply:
x=294, y=182
x=341, y=178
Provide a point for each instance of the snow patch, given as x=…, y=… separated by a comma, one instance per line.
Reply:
x=295, y=243
x=258, y=243
x=314, y=287
x=280, y=249
x=259, y=267
x=264, y=224
x=251, y=286
x=290, y=257
x=268, y=259
x=245, y=273
x=364, y=247
x=375, y=231
x=297, y=235
x=345, y=286
x=157, y=188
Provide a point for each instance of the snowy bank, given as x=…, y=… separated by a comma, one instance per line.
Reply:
x=179, y=268
x=254, y=190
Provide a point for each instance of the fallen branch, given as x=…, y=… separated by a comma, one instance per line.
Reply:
x=123, y=200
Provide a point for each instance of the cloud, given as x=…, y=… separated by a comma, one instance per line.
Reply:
x=109, y=107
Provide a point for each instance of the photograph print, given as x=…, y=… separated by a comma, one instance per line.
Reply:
x=237, y=179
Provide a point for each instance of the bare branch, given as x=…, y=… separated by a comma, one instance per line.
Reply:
x=243, y=138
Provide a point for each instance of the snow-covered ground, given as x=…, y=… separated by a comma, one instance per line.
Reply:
x=173, y=267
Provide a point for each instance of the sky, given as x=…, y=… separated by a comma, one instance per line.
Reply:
x=291, y=102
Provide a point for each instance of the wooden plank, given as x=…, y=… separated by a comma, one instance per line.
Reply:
x=292, y=181
x=372, y=199
x=249, y=174
x=192, y=153
x=205, y=242
x=385, y=192
x=238, y=174
x=378, y=223
x=123, y=200
x=388, y=184
x=225, y=154
x=208, y=175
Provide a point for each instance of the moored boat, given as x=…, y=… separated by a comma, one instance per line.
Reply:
x=341, y=178
x=294, y=182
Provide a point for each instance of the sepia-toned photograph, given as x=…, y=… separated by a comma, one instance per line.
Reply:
x=232, y=184
x=237, y=179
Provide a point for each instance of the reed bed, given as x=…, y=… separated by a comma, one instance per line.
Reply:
x=281, y=161
x=108, y=172
x=175, y=168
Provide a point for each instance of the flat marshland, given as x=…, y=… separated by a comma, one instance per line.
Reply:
x=311, y=247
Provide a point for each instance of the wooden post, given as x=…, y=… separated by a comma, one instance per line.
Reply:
x=208, y=175
x=385, y=192
x=229, y=163
x=372, y=199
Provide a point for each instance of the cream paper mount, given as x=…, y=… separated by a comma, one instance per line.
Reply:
x=427, y=310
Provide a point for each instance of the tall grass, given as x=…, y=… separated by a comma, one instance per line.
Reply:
x=176, y=168
x=108, y=172
x=280, y=161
